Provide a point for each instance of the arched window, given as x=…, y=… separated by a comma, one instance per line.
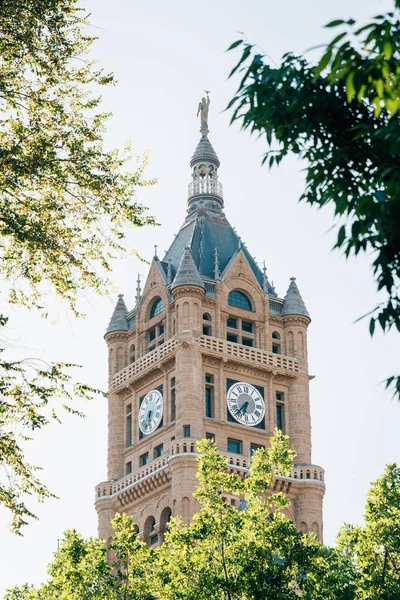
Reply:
x=240, y=300
x=275, y=335
x=132, y=354
x=206, y=327
x=156, y=308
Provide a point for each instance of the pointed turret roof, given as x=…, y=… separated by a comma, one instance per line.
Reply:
x=118, y=321
x=204, y=152
x=293, y=303
x=187, y=273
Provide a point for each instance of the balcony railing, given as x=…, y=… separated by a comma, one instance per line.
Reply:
x=205, y=186
x=254, y=355
x=183, y=446
x=143, y=363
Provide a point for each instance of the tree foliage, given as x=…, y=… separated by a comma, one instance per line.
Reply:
x=64, y=201
x=227, y=553
x=342, y=116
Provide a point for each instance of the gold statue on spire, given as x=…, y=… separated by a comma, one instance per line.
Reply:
x=202, y=110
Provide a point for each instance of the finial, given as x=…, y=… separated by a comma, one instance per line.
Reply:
x=202, y=110
x=265, y=279
x=138, y=291
x=293, y=279
x=239, y=243
x=169, y=272
x=216, y=264
x=155, y=250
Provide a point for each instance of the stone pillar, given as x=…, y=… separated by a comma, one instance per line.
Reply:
x=300, y=420
x=116, y=436
x=189, y=386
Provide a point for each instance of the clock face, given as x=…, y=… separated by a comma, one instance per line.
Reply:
x=151, y=412
x=245, y=403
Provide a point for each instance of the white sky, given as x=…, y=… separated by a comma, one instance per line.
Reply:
x=164, y=54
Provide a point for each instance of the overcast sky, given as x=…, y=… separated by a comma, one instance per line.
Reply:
x=164, y=54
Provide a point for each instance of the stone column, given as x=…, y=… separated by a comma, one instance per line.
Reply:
x=116, y=435
x=300, y=421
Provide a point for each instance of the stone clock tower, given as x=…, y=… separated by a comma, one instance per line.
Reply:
x=210, y=350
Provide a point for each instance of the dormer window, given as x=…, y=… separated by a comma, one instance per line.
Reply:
x=156, y=308
x=240, y=300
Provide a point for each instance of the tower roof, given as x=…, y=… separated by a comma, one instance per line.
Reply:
x=118, y=321
x=293, y=303
x=187, y=273
x=204, y=152
x=206, y=231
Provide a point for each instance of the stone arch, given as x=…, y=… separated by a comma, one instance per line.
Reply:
x=120, y=359
x=300, y=344
x=315, y=528
x=290, y=343
x=149, y=528
x=238, y=298
x=186, y=509
x=207, y=317
x=185, y=315
x=164, y=502
x=165, y=517
x=303, y=527
x=156, y=307
x=155, y=292
x=238, y=283
x=110, y=362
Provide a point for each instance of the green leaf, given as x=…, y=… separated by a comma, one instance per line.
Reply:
x=245, y=55
x=372, y=326
x=323, y=63
x=234, y=45
x=350, y=89
x=335, y=23
x=341, y=236
x=387, y=50
x=338, y=38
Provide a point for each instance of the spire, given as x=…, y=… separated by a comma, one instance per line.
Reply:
x=187, y=273
x=204, y=191
x=265, y=279
x=216, y=264
x=138, y=290
x=118, y=321
x=293, y=303
x=169, y=272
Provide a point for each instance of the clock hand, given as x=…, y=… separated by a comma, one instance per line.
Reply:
x=244, y=407
x=148, y=419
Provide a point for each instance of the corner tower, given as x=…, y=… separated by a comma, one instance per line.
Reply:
x=210, y=350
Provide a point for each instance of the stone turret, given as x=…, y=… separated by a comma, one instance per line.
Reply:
x=187, y=273
x=118, y=321
x=293, y=303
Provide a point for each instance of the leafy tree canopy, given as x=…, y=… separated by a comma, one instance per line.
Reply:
x=64, y=201
x=227, y=553
x=342, y=116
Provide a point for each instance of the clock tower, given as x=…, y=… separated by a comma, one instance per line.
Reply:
x=209, y=350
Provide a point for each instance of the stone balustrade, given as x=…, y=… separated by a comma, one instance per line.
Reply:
x=253, y=355
x=235, y=462
x=108, y=488
x=143, y=363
